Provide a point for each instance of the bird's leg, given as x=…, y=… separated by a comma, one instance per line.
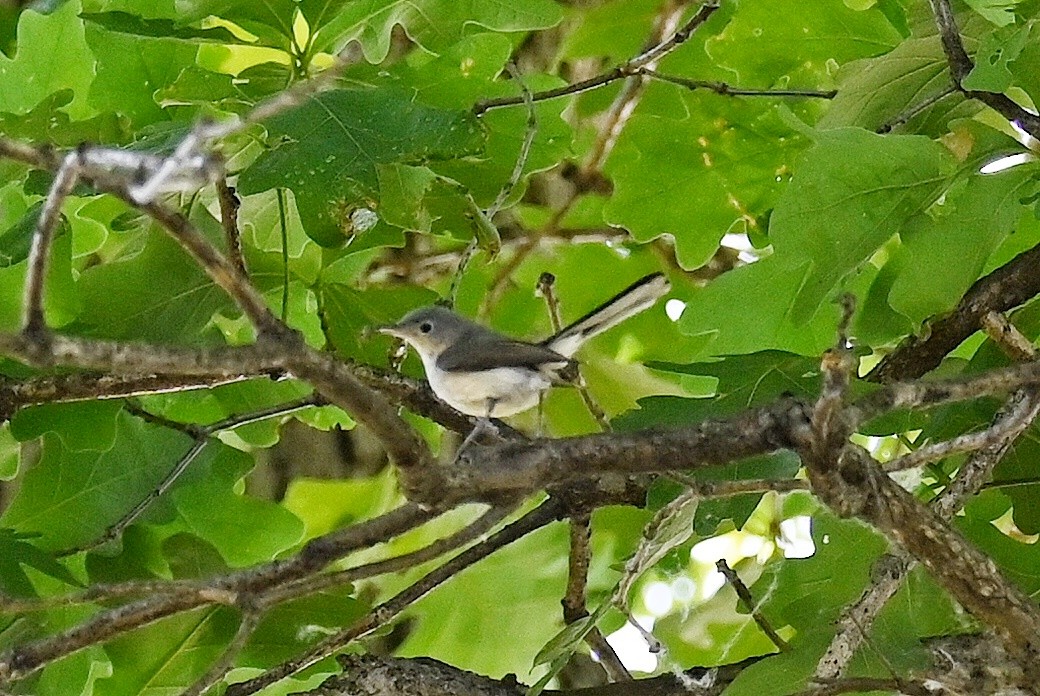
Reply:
x=484, y=425
x=541, y=415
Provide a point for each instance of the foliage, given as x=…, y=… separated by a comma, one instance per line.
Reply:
x=359, y=203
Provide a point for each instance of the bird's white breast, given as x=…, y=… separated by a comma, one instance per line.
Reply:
x=511, y=390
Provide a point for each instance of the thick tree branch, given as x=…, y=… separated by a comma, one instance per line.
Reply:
x=80, y=386
x=991, y=444
x=529, y=466
x=330, y=377
x=964, y=665
x=1002, y=290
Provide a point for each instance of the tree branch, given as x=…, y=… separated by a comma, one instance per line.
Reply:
x=627, y=69
x=26, y=658
x=1007, y=287
x=385, y=612
x=961, y=65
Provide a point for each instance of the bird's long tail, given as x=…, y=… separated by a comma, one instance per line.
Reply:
x=639, y=296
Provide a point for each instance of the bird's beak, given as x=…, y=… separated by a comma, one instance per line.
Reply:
x=390, y=330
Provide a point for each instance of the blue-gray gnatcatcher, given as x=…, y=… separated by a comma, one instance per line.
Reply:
x=482, y=373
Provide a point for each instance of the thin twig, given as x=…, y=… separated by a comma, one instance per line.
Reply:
x=220, y=668
x=395, y=564
x=1008, y=338
x=968, y=442
x=229, y=205
x=514, y=179
x=33, y=324
x=201, y=436
x=545, y=288
x=725, y=489
x=744, y=594
x=283, y=227
x=915, y=109
x=859, y=685
x=728, y=90
x=530, y=131
x=608, y=657
x=648, y=57
x=574, y=601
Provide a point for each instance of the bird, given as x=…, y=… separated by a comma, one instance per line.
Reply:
x=483, y=373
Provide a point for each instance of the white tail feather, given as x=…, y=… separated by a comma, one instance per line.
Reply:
x=638, y=297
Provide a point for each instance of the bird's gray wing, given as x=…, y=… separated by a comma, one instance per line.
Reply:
x=487, y=355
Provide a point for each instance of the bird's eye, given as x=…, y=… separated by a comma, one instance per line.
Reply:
x=426, y=327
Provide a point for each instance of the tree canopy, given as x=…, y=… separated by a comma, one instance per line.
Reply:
x=811, y=469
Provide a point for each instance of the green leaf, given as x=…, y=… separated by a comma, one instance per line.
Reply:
x=93, y=489
x=16, y=240
x=851, y=193
x=206, y=406
x=75, y=674
x=10, y=454
x=607, y=30
x=331, y=146
x=167, y=656
x=48, y=122
x=126, y=23
x=727, y=164
x=767, y=291
x=349, y=313
x=997, y=50
x=559, y=650
x=402, y=190
x=672, y=526
x=131, y=69
x=61, y=301
x=811, y=592
x=766, y=41
x=318, y=13
x=271, y=21
x=874, y=91
x=945, y=251
x=1018, y=560
x=17, y=551
x=174, y=310
x=743, y=381
x=999, y=12
x=245, y=530
x=52, y=55
x=1026, y=68
x=495, y=593
x=433, y=24
x=198, y=86
x=290, y=627
x=81, y=426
